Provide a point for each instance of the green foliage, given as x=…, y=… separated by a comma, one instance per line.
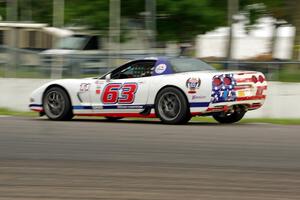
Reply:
x=184, y=19
x=92, y=13
x=41, y=11
x=179, y=20
x=275, y=8
x=2, y=10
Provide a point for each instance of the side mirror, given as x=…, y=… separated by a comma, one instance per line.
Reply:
x=108, y=77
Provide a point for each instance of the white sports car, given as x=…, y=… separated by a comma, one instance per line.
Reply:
x=172, y=89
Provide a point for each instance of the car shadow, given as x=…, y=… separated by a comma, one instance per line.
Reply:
x=144, y=121
x=152, y=122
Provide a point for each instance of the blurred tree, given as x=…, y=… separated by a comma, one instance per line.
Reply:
x=41, y=10
x=257, y=9
x=179, y=20
x=288, y=10
x=2, y=10
x=94, y=13
x=184, y=19
x=274, y=8
x=293, y=16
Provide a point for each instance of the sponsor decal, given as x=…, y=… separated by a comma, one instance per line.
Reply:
x=161, y=68
x=84, y=87
x=192, y=84
x=97, y=107
x=198, y=97
x=98, y=89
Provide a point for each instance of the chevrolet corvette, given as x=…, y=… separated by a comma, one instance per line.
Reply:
x=171, y=89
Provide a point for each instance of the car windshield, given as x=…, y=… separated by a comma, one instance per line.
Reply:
x=73, y=42
x=189, y=65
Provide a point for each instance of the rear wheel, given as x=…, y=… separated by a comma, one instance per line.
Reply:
x=171, y=106
x=232, y=116
x=57, y=105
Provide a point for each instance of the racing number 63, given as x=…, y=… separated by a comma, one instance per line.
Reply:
x=111, y=95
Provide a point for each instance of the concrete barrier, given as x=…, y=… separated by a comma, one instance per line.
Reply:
x=283, y=99
x=15, y=93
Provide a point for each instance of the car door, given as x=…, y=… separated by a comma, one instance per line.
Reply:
x=126, y=91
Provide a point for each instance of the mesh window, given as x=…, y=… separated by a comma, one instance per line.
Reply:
x=135, y=70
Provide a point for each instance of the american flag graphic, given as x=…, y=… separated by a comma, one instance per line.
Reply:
x=223, y=92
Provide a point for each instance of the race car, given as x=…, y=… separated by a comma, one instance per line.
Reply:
x=171, y=89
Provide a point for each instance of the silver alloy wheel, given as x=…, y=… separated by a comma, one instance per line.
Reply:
x=54, y=104
x=169, y=106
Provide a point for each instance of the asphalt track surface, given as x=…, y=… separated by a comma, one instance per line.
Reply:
x=95, y=159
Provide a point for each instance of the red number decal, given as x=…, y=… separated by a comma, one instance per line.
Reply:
x=128, y=93
x=110, y=93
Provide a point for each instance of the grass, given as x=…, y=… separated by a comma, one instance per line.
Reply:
x=273, y=121
x=255, y=120
x=4, y=111
x=289, y=76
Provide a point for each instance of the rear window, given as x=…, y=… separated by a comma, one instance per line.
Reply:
x=189, y=65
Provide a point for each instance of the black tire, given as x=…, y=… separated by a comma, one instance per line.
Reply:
x=232, y=117
x=172, y=107
x=113, y=119
x=57, y=105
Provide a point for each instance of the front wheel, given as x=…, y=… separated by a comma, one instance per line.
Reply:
x=57, y=105
x=233, y=116
x=172, y=107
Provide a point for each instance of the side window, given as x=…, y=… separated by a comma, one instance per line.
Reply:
x=135, y=70
x=92, y=43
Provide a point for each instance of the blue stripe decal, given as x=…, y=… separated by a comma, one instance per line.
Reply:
x=106, y=107
x=128, y=106
x=35, y=105
x=199, y=104
x=82, y=107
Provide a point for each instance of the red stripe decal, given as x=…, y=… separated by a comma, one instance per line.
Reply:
x=261, y=97
x=242, y=80
x=224, y=108
x=37, y=110
x=117, y=115
x=255, y=106
x=241, y=87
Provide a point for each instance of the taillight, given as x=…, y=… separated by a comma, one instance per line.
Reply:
x=227, y=81
x=217, y=82
x=254, y=79
x=261, y=78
